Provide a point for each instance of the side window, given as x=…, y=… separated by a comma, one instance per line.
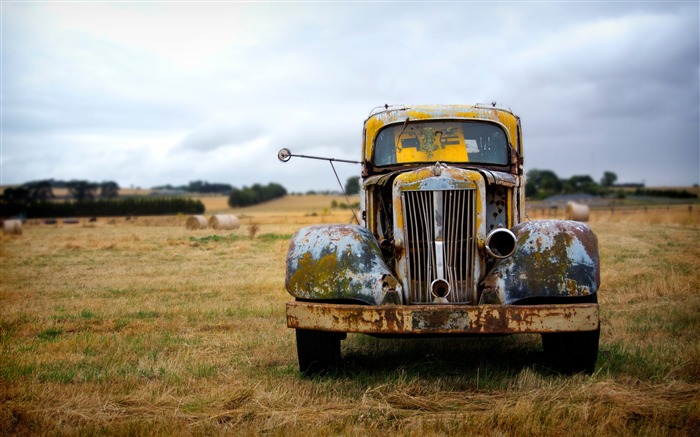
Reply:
x=385, y=147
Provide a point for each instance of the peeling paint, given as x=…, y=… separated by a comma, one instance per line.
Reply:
x=443, y=319
x=497, y=213
x=338, y=262
x=552, y=258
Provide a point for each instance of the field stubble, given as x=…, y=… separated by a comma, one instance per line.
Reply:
x=145, y=328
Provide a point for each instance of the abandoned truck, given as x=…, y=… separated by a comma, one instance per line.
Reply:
x=443, y=247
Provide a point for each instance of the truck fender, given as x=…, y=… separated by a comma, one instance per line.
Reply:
x=339, y=262
x=552, y=258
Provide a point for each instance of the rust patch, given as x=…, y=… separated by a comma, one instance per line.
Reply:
x=443, y=319
x=552, y=258
x=337, y=262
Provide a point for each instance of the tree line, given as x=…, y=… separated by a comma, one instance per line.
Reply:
x=80, y=190
x=36, y=198
x=255, y=194
x=541, y=184
x=88, y=190
x=203, y=187
x=90, y=199
x=131, y=206
x=544, y=183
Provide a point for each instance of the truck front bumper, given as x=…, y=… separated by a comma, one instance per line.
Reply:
x=442, y=319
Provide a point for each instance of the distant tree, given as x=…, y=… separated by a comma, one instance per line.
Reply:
x=57, y=183
x=17, y=194
x=82, y=190
x=243, y=197
x=206, y=187
x=217, y=188
x=352, y=186
x=195, y=186
x=274, y=191
x=256, y=194
x=171, y=187
x=109, y=190
x=608, y=180
x=31, y=191
x=542, y=183
x=40, y=190
x=581, y=184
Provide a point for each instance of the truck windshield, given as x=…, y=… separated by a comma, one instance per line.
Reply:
x=444, y=141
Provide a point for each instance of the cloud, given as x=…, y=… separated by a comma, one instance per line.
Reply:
x=152, y=93
x=217, y=134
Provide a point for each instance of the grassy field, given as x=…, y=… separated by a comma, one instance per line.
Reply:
x=146, y=328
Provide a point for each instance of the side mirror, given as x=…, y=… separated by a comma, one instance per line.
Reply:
x=284, y=155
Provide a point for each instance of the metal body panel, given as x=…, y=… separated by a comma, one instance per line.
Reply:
x=553, y=258
x=339, y=262
x=443, y=319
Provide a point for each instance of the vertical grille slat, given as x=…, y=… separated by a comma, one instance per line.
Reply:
x=457, y=210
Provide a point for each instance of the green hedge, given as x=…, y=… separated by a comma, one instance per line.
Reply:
x=674, y=194
x=255, y=194
x=104, y=208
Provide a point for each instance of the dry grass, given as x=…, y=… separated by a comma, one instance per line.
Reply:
x=292, y=210
x=142, y=327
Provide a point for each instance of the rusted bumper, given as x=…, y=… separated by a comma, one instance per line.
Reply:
x=443, y=319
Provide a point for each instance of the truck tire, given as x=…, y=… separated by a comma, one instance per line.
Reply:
x=318, y=351
x=572, y=352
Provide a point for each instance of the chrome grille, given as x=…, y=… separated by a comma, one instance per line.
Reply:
x=439, y=233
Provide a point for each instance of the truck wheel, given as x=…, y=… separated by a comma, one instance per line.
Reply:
x=572, y=352
x=317, y=350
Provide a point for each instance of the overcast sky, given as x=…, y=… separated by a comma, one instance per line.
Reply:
x=149, y=93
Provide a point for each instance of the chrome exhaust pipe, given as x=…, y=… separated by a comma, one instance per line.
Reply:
x=500, y=243
x=440, y=289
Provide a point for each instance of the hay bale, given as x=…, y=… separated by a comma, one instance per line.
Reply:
x=224, y=222
x=196, y=222
x=577, y=211
x=12, y=227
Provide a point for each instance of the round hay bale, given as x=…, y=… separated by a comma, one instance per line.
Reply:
x=12, y=227
x=196, y=222
x=224, y=222
x=577, y=211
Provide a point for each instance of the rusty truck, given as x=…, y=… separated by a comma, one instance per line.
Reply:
x=443, y=247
